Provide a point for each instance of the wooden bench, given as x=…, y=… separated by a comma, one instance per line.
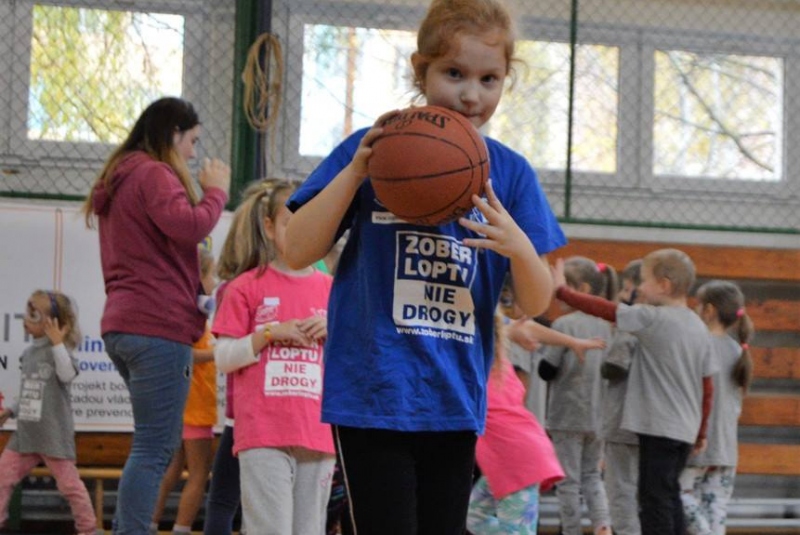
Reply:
x=98, y=475
x=100, y=458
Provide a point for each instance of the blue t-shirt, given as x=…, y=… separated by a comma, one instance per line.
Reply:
x=410, y=319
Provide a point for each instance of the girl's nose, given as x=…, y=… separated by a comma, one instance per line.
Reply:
x=469, y=94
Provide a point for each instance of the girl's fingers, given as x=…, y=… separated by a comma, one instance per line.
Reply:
x=385, y=116
x=371, y=135
x=494, y=202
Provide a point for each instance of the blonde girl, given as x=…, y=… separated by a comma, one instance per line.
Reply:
x=270, y=328
x=45, y=428
x=409, y=348
x=237, y=256
x=707, y=481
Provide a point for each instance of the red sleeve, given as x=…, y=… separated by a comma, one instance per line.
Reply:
x=169, y=208
x=708, y=396
x=591, y=304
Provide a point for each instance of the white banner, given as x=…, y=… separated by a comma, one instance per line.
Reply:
x=48, y=247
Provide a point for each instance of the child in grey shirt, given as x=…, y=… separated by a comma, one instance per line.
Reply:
x=707, y=481
x=621, y=454
x=669, y=387
x=573, y=410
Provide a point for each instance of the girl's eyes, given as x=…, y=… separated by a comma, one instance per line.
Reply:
x=454, y=73
x=33, y=315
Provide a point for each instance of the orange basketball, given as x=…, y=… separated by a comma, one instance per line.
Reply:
x=427, y=164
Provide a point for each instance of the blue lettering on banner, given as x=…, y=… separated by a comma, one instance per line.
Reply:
x=96, y=366
x=92, y=345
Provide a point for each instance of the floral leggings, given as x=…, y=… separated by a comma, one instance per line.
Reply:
x=517, y=513
x=705, y=492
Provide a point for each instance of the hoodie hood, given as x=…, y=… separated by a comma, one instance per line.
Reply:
x=101, y=197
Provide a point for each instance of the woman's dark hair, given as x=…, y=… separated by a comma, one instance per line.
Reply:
x=153, y=133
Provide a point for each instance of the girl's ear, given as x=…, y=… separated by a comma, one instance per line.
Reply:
x=419, y=64
x=584, y=287
x=269, y=228
x=665, y=285
x=708, y=312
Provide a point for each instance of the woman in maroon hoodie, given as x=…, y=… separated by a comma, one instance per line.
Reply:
x=150, y=221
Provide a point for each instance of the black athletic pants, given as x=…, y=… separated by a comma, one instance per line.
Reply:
x=407, y=483
x=661, y=461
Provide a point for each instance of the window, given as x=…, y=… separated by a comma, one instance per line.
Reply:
x=351, y=75
x=93, y=71
x=533, y=117
x=718, y=116
x=83, y=71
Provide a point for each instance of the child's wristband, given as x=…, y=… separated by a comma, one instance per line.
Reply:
x=267, y=333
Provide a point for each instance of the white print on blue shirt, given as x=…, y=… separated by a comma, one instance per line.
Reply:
x=432, y=283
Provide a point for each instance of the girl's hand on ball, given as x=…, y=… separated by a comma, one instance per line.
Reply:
x=364, y=151
x=500, y=233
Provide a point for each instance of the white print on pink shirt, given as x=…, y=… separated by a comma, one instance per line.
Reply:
x=294, y=371
x=268, y=311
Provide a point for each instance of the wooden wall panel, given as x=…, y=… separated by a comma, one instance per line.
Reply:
x=776, y=362
x=769, y=459
x=711, y=261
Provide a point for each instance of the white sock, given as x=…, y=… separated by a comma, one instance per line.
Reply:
x=181, y=529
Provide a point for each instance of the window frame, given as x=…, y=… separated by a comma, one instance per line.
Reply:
x=653, y=41
x=24, y=151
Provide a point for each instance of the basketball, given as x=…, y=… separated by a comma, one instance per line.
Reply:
x=427, y=164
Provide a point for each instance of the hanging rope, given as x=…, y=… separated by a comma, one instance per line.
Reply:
x=263, y=84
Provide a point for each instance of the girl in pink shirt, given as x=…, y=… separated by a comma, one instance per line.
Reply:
x=270, y=328
x=515, y=456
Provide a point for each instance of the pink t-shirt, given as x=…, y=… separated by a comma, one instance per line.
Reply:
x=514, y=452
x=278, y=399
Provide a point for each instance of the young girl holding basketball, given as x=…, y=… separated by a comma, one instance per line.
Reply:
x=409, y=348
x=270, y=327
x=45, y=428
x=707, y=480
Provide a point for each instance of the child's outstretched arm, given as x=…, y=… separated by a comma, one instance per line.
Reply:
x=527, y=328
x=591, y=304
x=200, y=356
x=503, y=236
x=311, y=231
